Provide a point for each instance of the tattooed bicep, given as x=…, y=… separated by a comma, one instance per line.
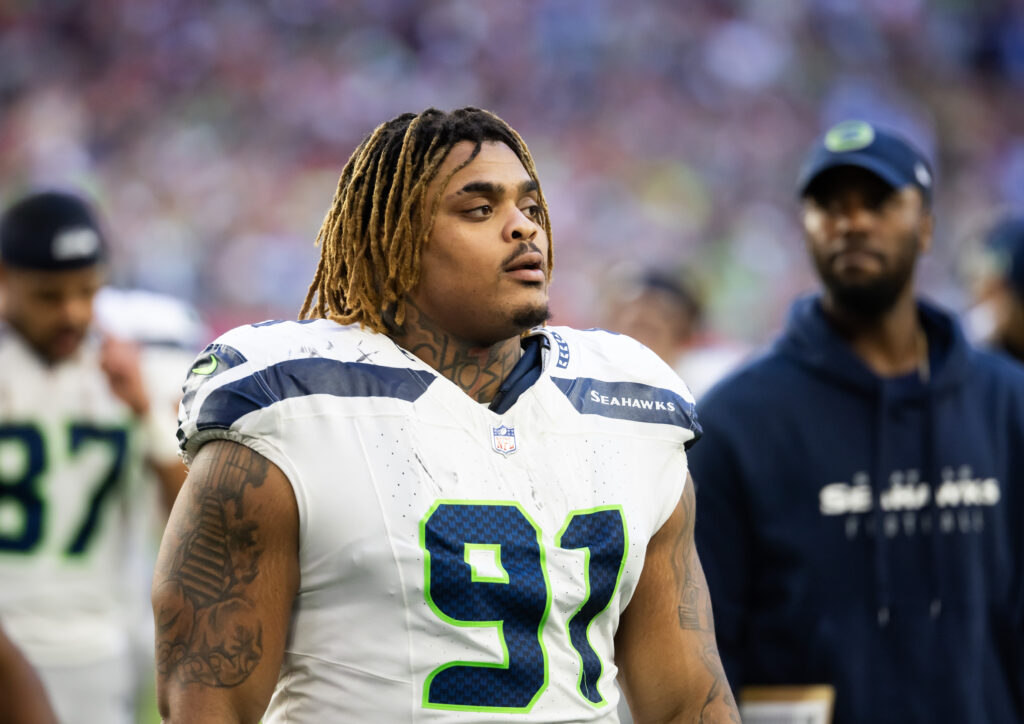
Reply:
x=208, y=626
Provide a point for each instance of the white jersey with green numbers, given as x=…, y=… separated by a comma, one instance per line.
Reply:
x=457, y=565
x=68, y=451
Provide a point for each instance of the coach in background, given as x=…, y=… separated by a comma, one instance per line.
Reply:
x=861, y=483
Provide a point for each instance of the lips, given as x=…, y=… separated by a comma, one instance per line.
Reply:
x=528, y=267
x=64, y=342
x=856, y=257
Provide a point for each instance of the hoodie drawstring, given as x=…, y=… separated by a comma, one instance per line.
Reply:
x=882, y=595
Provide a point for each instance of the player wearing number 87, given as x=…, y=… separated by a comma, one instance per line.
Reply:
x=421, y=504
x=74, y=432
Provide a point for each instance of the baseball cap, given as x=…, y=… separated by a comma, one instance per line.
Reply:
x=1004, y=243
x=52, y=231
x=866, y=146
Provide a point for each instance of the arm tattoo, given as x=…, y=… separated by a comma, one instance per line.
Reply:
x=208, y=630
x=694, y=602
x=477, y=370
x=695, y=614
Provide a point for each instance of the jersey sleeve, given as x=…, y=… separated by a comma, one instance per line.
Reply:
x=681, y=415
x=611, y=376
x=615, y=376
x=660, y=375
x=226, y=397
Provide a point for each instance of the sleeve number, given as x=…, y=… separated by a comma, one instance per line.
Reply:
x=514, y=597
x=21, y=496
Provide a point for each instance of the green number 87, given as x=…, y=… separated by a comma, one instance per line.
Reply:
x=20, y=490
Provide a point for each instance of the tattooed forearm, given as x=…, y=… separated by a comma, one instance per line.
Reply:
x=695, y=614
x=719, y=701
x=477, y=370
x=206, y=625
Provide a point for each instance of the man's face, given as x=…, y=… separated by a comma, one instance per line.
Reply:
x=864, y=237
x=52, y=310
x=484, y=265
x=655, y=319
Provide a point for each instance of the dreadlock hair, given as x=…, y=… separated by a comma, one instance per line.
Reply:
x=372, y=237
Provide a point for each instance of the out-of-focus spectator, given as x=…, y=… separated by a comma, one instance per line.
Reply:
x=997, y=286
x=659, y=310
x=861, y=484
x=80, y=421
x=665, y=312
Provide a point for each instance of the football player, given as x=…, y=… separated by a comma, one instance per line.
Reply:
x=419, y=503
x=78, y=425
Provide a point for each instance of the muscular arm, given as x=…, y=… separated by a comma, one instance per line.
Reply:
x=22, y=697
x=225, y=579
x=665, y=647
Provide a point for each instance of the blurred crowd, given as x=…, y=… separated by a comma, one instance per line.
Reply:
x=667, y=134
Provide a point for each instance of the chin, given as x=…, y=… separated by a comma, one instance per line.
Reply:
x=61, y=347
x=528, y=317
x=519, y=320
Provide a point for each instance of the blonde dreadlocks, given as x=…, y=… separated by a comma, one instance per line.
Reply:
x=373, y=234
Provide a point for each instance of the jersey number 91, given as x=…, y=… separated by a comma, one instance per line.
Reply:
x=485, y=567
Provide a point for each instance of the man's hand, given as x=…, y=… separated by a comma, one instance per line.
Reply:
x=120, y=361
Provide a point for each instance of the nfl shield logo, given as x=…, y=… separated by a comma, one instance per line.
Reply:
x=503, y=439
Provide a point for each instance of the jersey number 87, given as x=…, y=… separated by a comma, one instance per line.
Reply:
x=22, y=500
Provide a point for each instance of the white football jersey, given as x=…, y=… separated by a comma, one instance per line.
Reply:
x=69, y=452
x=457, y=565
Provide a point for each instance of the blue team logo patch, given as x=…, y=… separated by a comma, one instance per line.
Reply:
x=503, y=439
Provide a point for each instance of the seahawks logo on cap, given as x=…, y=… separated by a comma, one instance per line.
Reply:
x=77, y=243
x=849, y=136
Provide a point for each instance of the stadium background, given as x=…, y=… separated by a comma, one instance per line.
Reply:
x=666, y=133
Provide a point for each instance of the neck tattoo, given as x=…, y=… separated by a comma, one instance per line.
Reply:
x=478, y=371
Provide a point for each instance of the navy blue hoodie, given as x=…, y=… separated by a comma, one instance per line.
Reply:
x=866, y=532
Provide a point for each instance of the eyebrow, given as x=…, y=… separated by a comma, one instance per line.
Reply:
x=489, y=188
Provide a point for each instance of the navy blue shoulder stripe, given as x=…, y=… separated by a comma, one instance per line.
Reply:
x=309, y=376
x=630, y=401
x=213, y=360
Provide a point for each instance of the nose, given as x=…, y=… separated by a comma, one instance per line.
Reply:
x=521, y=227
x=76, y=311
x=853, y=217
